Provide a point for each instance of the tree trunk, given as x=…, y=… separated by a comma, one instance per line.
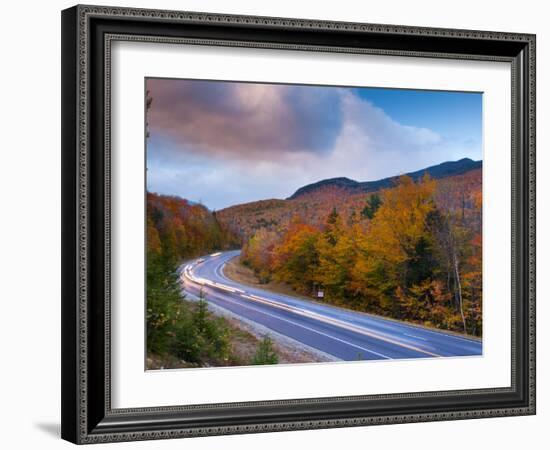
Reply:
x=459, y=286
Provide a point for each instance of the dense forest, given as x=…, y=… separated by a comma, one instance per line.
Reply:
x=182, y=333
x=185, y=229
x=411, y=252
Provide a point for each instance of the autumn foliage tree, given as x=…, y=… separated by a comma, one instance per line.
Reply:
x=186, y=229
x=177, y=230
x=412, y=255
x=295, y=255
x=258, y=253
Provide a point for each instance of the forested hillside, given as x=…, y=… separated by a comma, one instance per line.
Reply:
x=412, y=251
x=182, y=333
x=313, y=208
x=184, y=229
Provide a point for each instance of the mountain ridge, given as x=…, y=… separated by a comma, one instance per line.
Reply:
x=344, y=195
x=442, y=170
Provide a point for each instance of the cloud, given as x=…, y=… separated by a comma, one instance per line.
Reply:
x=372, y=145
x=237, y=143
x=383, y=133
x=243, y=120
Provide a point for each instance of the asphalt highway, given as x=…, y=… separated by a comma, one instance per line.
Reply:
x=344, y=334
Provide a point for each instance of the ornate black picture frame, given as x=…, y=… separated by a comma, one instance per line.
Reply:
x=87, y=34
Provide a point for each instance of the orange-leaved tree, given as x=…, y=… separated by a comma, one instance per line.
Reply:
x=296, y=257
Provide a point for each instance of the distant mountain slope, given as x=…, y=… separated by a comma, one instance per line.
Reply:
x=442, y=170
x=456, y=181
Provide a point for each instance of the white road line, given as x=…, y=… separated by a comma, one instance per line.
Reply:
x=447, y=335
x=416, y=337
x=219, y=272
x=226, y=287
x=345, y=323
x=337, y=323
x=334, y=322
x=307, y=328
x=368, y=316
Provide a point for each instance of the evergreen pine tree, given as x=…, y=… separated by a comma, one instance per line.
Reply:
x=265, y=354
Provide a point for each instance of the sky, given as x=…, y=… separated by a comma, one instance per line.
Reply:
x=225, y=143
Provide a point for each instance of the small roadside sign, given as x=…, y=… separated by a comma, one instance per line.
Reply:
x=320, y=294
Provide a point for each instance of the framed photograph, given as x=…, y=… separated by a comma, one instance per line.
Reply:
x=280, y=224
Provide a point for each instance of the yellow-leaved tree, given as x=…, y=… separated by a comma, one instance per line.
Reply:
x=395, y=253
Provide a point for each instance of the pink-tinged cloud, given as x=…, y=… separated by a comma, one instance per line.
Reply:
x=243, y=120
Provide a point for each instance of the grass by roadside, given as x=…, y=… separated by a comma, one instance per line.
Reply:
x=244, y=343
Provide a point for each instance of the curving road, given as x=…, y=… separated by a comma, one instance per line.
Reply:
x=344, y=334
